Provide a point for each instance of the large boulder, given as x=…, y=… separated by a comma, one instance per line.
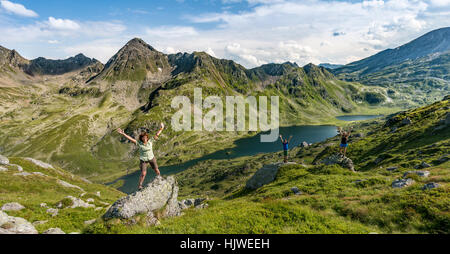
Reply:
x=3, y=160
x=15, y=225
x=161, y=193
x=264, y=175
x=340, y=160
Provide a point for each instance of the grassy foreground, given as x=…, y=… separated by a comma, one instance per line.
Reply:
x=333, y=199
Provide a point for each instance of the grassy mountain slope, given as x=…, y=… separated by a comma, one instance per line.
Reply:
x=69, y=119
x=31, y=191
x=333, y=199
x=415, y=74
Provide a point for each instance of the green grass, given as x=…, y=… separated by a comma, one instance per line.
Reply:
x=31, y=191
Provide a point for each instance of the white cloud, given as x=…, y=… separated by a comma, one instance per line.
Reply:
x=171, y=31
x=17, y=9
x=62, y=24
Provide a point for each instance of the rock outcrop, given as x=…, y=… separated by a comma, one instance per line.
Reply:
x=160, y=195
x=340, y=160
x=264, y=175
x=15, y=225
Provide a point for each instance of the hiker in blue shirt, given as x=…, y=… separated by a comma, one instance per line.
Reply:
x=285, y=147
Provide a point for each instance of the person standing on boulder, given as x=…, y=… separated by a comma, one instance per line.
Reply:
x=285, y=147
x=344, y=140
x=146, y=156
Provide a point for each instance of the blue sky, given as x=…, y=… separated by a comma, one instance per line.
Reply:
x=251, y=32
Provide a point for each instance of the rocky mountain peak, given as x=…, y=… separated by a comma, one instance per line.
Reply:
x=11, y=58
x=134, y=62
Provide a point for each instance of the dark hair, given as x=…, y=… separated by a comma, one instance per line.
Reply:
x=143, y=134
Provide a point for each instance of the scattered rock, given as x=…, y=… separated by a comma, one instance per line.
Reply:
x=76, y=202
x=12, y=207
x=97, y=193
x=406, y=121
x=52, y=211
x=43, y=205
x=392, y=168
x=340, y=160
x=23, y=174
x=419, y=173
x=39, y=222
x=39, y=174
x=296, y=191
x=441, y=160
x=358, y=135
x=90, y=200
x=15, y=225
x=304, y=144
x=429, y=186
x=202, y=206
x=2, y=169
x=160, y=193
x=85, y=180
x=4, y=160
x=199, y=201
x=19, y=168
x=40, y=163
x=68, y=185
x=401, y=183
x=89, y=222
x=422, y=165
x=264, y=176
x=54, y=231
x=378, y=160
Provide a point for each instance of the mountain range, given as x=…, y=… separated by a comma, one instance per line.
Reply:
x=66, y=111
x=419, y=68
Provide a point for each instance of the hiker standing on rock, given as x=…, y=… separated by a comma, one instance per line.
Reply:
x=285, y=147
x=344, y=140
x=146, y=155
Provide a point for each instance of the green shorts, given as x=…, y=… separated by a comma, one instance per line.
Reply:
x=286, y=152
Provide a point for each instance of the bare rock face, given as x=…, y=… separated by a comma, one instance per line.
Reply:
x=15, y=225
x=162, y=193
